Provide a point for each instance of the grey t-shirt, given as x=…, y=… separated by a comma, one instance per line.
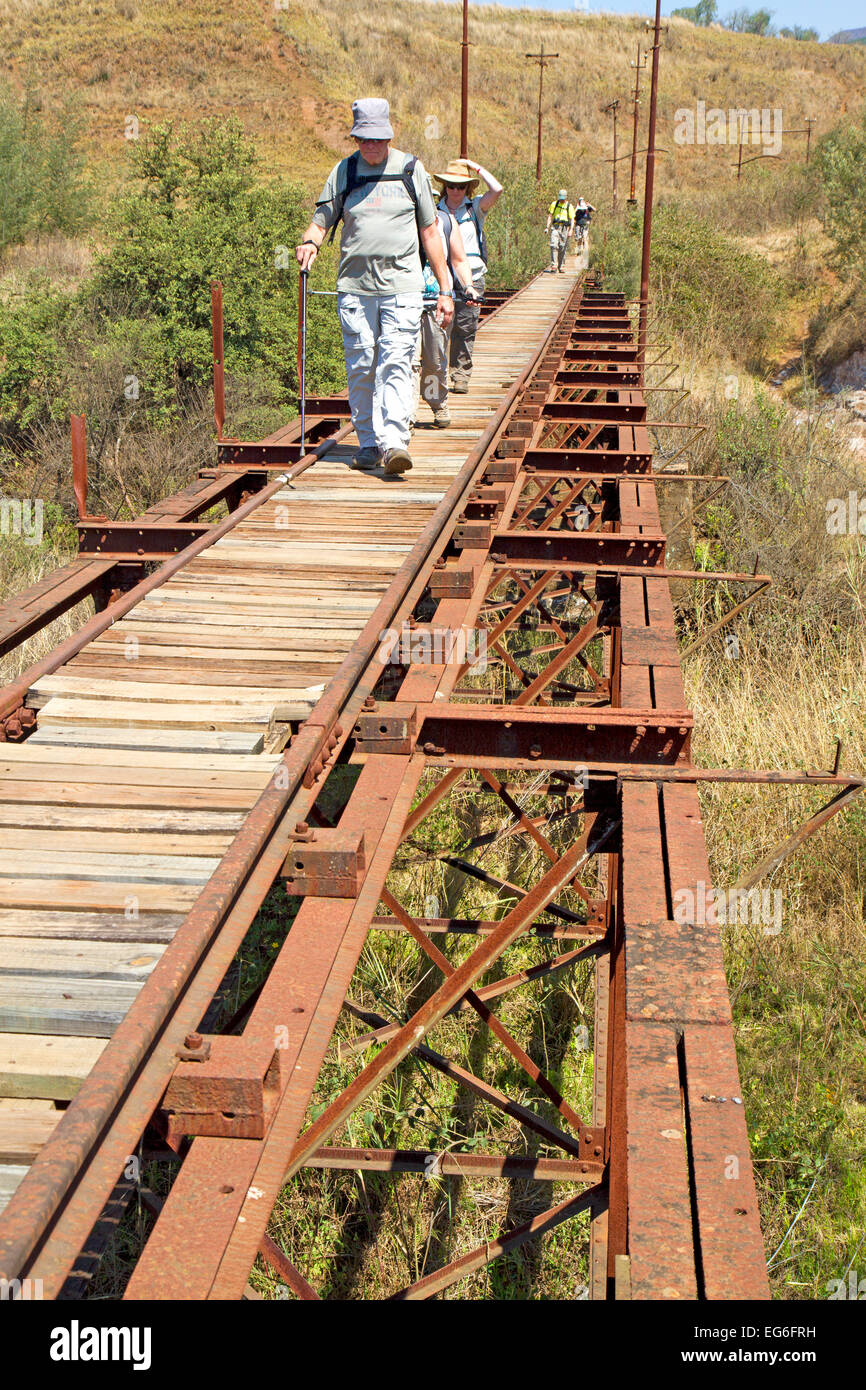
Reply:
x=379, y=239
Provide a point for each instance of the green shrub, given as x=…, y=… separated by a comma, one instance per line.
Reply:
x=707, y=286
x=33, y=331
x=196, y=213
x=842, y=164
x=42, y=169
x=615, y=246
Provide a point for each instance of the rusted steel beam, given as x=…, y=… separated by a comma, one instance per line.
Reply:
x=451, y=1163
x=476, y=1259
x=129, y=540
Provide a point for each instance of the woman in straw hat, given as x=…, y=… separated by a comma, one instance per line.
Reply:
x=457, y=185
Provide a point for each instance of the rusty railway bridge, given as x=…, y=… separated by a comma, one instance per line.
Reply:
x=187, y=749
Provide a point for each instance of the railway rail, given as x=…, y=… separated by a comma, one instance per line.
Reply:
x=168, y=764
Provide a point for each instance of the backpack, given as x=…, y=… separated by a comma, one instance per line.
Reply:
x=353, y=181
x=430, y=281
x=482, y=240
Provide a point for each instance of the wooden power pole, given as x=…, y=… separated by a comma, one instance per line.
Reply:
x=612, y=108
x=638, y=66
x=542, y=59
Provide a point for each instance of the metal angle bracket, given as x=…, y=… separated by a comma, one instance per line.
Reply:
x=390, y=728
x=229, y=1095
x=325, y=863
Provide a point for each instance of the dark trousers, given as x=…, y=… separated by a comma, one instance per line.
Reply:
x=463, y=331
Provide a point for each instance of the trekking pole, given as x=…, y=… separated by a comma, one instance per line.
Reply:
x=302, y=354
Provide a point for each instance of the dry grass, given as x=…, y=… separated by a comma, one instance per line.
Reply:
x=290, y=74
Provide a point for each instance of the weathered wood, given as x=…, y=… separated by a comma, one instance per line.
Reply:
x=51, y=1067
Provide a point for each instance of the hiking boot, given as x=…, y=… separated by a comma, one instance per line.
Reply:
x=367, y=458
x=397, y=461
x=551, y=270
x=441, y=418
x=460, y=388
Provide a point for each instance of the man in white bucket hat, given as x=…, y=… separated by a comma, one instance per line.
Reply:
x=383, y=198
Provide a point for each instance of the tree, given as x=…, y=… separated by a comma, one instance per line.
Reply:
x=197, y=212
x=703, y=13
x=41, y=162
x=750, y=22
x=842, y=164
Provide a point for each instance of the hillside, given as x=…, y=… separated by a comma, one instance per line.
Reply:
x=289, y=72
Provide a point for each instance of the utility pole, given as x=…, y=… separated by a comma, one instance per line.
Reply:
x=648, y=190
x=612, y=107
x=464, y=84
x=810, y=121
x=638, y=66
x=542, y=59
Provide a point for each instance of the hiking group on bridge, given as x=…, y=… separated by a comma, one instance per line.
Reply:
x=408, y=322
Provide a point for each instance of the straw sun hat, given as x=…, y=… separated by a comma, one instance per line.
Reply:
x=458, y=171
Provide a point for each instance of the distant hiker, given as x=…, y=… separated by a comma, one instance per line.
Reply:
x=383, y=198
x=582, y=218
x=560, y=225
x=457, y=185
x=431, y=365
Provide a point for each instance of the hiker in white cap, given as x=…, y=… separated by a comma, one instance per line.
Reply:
x=383, y=198
x=560, y=226
x=582, y=218
x=431, y=363
x=458, y=184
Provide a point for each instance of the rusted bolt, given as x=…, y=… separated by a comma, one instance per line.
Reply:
x=369, y=703
x=683, y=730
x=193, y=1041
x=535, y=750
x=640, y=730
x=302, y=827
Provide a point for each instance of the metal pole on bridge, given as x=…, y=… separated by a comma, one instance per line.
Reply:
x=464, y=84
x=219, y=389
x=648, y=192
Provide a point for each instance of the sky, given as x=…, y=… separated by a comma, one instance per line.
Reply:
x=828, y=17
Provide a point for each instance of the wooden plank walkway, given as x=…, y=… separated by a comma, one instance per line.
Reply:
x=156, y=740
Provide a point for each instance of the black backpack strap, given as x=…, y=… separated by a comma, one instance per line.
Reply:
x=340, y=201
x=482, y=240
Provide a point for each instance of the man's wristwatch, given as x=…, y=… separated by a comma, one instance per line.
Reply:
x=446, y=294
x=310, y=243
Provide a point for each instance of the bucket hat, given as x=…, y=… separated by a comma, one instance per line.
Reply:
x=371, y=119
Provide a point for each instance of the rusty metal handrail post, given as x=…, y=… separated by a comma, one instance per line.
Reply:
x=464, y=84
x=79, y=463
x=219, y=387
